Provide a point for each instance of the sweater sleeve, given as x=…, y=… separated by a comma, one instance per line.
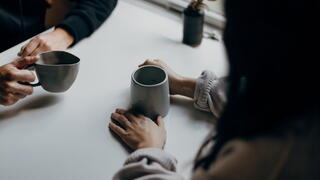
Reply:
x=86, y=17
x=210, y=93
x=147, y=164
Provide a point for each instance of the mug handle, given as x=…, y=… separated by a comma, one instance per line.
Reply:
x=30, y=84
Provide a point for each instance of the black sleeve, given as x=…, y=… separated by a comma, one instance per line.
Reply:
x=86, y=17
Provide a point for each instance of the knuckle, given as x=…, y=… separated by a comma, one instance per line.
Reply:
x=27, y=60
x=31, y=77
x=38, y=38
x=127, y=134
x=6, y=85
x=122, y=118
x=10, y=74
x=46, y=45
x=29, y=91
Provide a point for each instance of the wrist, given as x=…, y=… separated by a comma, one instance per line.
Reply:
x=186, y=86
x=145, y=145
x=65, y=35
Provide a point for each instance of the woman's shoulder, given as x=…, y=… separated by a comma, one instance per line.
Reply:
x=261, y=157
x=246, y=159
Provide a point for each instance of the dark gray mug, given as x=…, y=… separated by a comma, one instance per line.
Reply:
x=150, y=91
x=56, y=70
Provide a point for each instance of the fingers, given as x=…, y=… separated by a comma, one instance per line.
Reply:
x=130, y=116
x=160, y=122
x=24, y=62
x=116, y=129
x=121, y=111
x=21, y=76
x=8, y=99
x=156, y=62
x=19, y=95
x=39, y=50
x=15, y=87
x=30, y=47
x=147, y=62
x=121, y=119
x=144, y=63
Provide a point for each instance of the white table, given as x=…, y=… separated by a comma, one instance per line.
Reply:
x=65, y=136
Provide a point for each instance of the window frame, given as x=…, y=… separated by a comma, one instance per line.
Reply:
x=211, y=17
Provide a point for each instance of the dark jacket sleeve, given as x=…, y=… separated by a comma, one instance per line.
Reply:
x=86, y=17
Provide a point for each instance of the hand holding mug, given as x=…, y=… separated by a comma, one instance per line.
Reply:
x=179, y=85
x=11, y=74
x=56, y=71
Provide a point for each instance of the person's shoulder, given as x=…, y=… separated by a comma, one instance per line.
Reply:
x=257, y=158
x=255, y=148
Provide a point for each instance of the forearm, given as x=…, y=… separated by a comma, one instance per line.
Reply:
x=186, y=87
x=86, y=17
x=208, y=91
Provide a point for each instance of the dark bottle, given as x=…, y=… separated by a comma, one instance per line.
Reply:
x=193, y=20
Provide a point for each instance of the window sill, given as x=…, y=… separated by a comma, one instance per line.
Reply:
x=211, y=18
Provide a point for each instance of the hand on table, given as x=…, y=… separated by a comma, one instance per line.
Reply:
x=11, y=74
x=138, y=131
x=59, y=39
x=178, y=84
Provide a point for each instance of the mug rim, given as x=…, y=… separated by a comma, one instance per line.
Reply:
x=153, y=85
x=71, y=64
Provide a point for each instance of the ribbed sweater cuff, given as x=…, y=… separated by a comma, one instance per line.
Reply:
x=165, y=159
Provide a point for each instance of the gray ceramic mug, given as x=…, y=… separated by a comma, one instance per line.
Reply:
x=150, y=91
x=56, y=70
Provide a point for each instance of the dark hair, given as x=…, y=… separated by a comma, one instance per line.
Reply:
x=274, y=76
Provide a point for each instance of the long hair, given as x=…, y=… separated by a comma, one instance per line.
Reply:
x=273, y=51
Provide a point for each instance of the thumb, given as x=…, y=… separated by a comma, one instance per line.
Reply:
x=24, y=62
x=144, y=63
x=160, y=122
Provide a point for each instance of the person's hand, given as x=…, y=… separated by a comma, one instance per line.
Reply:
x=177, y=83
x=10, y=75
x=138, y=131
x=174, y=78
x=59, y=39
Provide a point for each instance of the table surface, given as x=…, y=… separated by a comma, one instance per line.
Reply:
x=65, y=136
